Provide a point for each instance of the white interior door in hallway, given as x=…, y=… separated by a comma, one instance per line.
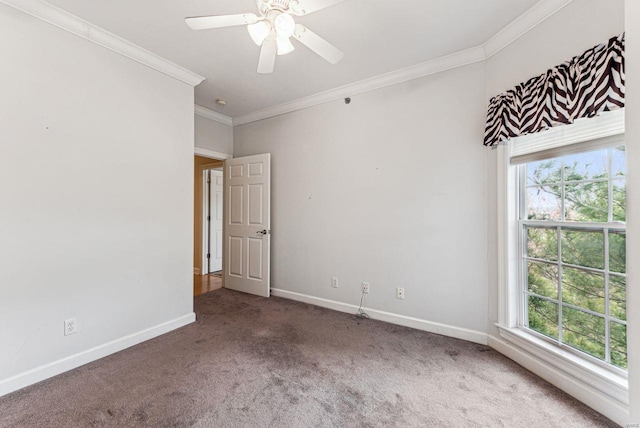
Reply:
x=247, y=228
x=213, y=221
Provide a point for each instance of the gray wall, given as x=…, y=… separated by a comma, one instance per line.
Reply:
x=212, y=135
x=390, y=189
x=96, y=184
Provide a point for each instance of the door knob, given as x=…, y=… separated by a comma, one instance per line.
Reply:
x=263, y=232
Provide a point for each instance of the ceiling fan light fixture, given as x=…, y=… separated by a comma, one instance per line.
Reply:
x=259, y=31
x=285, y=25
x=284, y=45
x=273, y=28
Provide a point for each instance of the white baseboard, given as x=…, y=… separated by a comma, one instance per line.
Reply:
x=597, y=400
x=71, y=362
x=196, y=271
x=418, y=324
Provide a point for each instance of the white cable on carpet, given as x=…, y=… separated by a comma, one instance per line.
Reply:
x=362, y=314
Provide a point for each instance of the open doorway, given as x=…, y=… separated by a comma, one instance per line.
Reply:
x=245, y=192
x=208, y=200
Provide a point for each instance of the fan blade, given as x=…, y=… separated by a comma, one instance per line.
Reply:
x=267, y=60
x=305, y=7
x=317, y=44
x=207, y=22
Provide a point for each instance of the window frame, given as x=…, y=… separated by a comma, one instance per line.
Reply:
x=558, y=226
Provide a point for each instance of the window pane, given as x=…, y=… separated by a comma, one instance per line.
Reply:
x=583, y=289
x=587, y=202
x=619, y=162
x=543, y=172
x=583, y=248
x=586, y=166
x=543, y=279
x=618, y=297
x=618, y=334
x=542, y=243
x=584, y=331
x=543, y=203
x=543, y=316
x=617, y=252
x=619, y=200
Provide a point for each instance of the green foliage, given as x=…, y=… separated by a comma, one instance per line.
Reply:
x=619, y=344
x=618, y=297
x=543, y=316
x=542, y=243
x=543, y=279
x=583, y=248
x=618, y=252
x=582, y=183
x=587, y=201
x=619, y=200
x=583, y=289
x=584, y=331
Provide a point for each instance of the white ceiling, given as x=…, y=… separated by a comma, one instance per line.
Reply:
x=377, y=37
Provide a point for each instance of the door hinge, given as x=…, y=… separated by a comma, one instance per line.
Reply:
x=208, y=256
x=208, y=218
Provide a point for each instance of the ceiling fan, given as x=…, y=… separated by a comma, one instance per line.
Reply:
x=273, y=29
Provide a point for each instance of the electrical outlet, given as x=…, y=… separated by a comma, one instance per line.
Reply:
x=365, y=287
x=334, y=282
x=400, y=293
x=70, y=326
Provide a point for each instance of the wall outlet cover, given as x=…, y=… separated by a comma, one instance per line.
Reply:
x=70, y=326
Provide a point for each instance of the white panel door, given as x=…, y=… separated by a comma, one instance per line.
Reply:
x=216, y=221
x=247, y=196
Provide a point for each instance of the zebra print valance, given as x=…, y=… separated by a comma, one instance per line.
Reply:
x=583, y=87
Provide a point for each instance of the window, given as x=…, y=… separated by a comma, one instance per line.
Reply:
x=561, y=260
x=572, y=245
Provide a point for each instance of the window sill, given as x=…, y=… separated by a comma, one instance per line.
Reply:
x=605, y=381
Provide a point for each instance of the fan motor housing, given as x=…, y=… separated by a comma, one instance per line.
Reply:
x=266, y=5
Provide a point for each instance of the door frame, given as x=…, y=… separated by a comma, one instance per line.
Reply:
x=217, y=161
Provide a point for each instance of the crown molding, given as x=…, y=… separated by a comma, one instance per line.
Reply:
x=215, y=116
x=71, y=23
x=533, y=17
x=512, y=32
x=427, y=68
x=66, y=21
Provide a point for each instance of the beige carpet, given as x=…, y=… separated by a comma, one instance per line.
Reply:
x=254, y=362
